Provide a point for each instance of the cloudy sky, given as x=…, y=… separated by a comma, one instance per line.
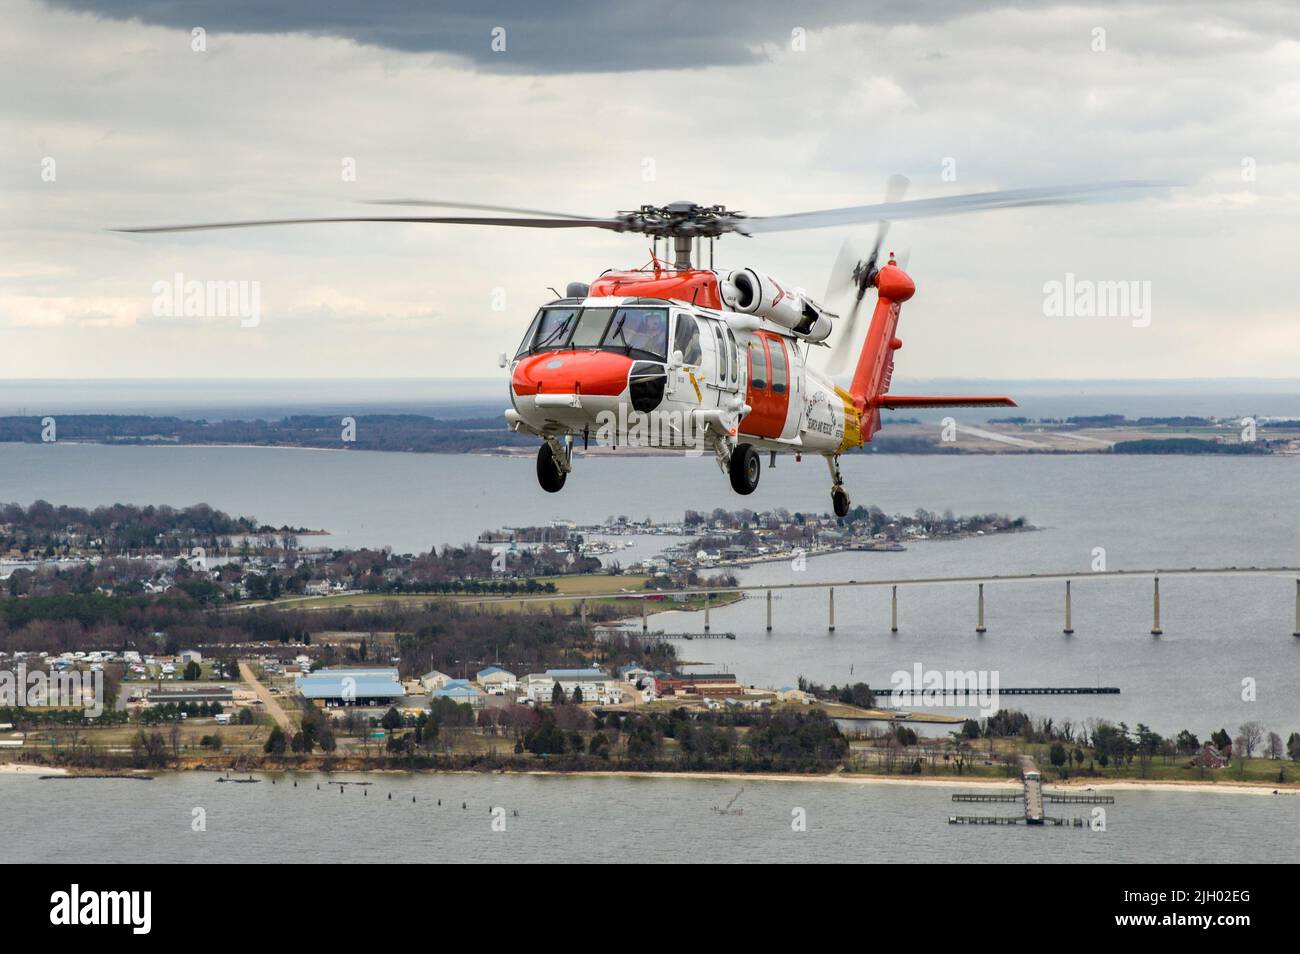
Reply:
x=111, y=117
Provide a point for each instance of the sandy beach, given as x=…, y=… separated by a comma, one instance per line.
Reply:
x=1111, y=785
x=20, y=768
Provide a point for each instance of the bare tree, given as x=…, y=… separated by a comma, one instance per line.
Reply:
x=1252, y=734
x=1275, y=749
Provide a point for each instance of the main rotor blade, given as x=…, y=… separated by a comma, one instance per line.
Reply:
x=479, y=207
x=537, y=223
x=941, y=205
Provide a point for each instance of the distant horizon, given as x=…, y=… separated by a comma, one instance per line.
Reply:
x=458, y=398
x=444, y=378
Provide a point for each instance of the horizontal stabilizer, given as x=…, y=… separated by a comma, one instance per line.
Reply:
x=896, y=402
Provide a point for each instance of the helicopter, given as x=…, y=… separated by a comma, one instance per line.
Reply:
x=734, y=362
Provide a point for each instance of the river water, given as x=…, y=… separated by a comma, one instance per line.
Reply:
x=613, y=819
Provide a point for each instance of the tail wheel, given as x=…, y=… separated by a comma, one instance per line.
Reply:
x=549, y=474
x=745, y=469
x=840, y=501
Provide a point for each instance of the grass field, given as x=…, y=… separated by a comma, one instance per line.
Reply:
x=570, y=590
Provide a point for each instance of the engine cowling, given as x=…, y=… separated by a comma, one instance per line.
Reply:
x=752, y=292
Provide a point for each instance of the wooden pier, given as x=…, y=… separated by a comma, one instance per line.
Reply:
x=1031, y=798
x=1079, y=799
x=1012, y=820
x=1013, y=691
x=987, y=797
x=654, y=636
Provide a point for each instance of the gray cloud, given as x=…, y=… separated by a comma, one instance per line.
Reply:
x=144, y=130
x=571, y=36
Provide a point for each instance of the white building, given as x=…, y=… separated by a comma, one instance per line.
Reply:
x=191, y=656
x=496, y=680
x=596, y=685
x=434, y=680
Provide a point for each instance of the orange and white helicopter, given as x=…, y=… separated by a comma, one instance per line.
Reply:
x=678, y=355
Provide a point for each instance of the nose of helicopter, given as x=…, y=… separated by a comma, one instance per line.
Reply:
x=589, y=373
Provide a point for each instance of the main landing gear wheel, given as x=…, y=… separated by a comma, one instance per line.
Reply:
x=840, y=501
x=745, y=469
x=549, y=474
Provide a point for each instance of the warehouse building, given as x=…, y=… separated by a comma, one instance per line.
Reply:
x=352, y=687
x=182, y=697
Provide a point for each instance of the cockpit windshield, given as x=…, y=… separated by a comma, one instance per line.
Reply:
x=639, y=332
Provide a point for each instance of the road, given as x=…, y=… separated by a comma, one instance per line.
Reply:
x=272, y=704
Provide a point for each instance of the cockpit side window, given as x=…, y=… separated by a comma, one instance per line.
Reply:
x=686, y=339
x=555, y=328
x=527, y=344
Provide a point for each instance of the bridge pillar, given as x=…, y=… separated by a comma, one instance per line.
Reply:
x=1155, y=610
x=1297, y=609
x=1069, y=627
x=582, y=611
x=645, y=622
x=979, y=622
x=831, y=627
x=706, y=612
x=893, y=608
x=769, y=607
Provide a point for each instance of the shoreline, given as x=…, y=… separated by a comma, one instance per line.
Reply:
x=24, y=768
x=526, y=452
x=836, y=778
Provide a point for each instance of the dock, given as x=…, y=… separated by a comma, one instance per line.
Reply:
x=1012, y=820
x=1031, y=798
x=1013, y=691
x=989, y=797
x=1079, y=799
x=654, y=636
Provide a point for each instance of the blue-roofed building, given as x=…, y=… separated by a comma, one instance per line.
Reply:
x=352, y=687
x=460, y=691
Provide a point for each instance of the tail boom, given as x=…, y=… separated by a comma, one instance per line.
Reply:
x=869, y=392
